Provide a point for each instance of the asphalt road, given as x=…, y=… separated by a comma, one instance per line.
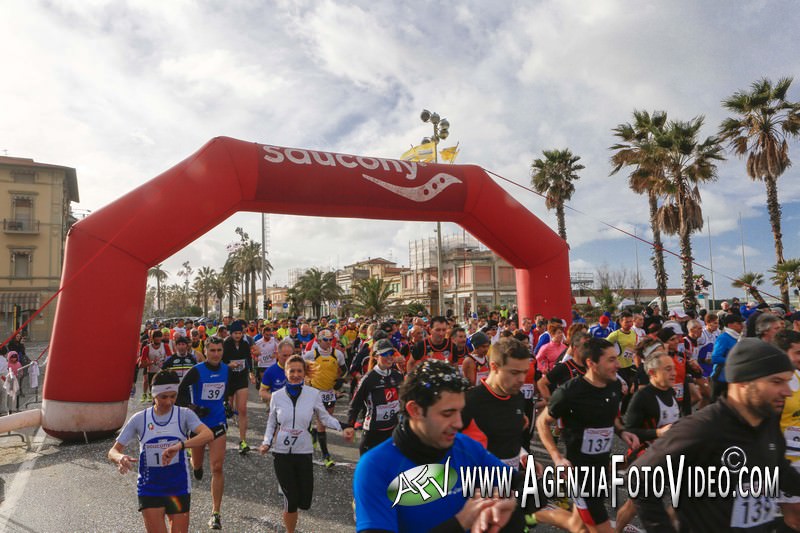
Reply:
x=58, y=487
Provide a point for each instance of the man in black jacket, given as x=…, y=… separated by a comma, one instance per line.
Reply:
x=740, y=432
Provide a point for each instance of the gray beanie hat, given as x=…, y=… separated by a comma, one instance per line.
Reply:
x=753, y=358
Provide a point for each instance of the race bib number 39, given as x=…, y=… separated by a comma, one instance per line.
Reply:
x=597, y=440
x=212, y=391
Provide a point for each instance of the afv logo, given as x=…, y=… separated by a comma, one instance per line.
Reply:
x=422, y=484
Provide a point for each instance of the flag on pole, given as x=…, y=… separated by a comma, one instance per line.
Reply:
x=449, y=154
x=423, y=153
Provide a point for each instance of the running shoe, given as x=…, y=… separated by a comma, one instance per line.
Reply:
x=144, y=397
x=215, y=522
x=530, y=521
x=328, y=461
x=198, y=474
x=243, y=447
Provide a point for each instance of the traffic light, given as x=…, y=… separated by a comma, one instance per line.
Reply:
x=269, y=305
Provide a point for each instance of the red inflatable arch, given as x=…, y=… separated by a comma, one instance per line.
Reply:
x=108, y=253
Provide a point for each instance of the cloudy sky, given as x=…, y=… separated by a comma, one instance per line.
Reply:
x=123, y=90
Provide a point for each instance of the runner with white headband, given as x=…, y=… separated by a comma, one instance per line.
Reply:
x=163, y=485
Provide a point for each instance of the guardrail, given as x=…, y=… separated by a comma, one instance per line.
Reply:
x=15, y=392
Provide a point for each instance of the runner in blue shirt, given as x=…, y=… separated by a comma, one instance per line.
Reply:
x=274, y=379
x=432, y=399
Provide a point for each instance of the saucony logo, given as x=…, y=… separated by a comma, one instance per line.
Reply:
x=420, y=193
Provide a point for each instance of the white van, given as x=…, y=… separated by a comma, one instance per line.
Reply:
x=676, y=301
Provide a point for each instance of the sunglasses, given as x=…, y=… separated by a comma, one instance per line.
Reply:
x=326, y=339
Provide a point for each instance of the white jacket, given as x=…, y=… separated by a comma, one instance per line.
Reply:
x=287, y=427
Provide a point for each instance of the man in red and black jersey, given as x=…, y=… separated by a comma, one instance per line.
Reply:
x=436, y=346
x=458, y=345
x=377, y=396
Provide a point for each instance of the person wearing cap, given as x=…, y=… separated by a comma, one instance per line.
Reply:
x=734, y=325
x=601, y=329
x=378, y=398
x=475, y=366
x=741, y=428
x=182, y=360
x=330, y=367
x=236, y=354
x=163, y=431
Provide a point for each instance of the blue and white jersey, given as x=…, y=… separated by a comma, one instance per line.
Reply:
x=156, y=479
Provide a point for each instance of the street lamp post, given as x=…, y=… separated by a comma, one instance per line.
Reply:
x=441, y=130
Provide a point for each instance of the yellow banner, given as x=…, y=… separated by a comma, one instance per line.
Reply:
x=449, y=154
x=423, y=153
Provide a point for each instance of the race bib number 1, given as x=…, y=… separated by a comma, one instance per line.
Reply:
x=597, y=440
x=212, y=391
x=152, y=453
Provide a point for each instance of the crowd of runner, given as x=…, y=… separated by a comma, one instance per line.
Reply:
x=476, y=392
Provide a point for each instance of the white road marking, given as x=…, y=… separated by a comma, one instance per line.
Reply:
x=15, y=490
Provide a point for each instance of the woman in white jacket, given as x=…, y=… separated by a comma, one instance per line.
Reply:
x=291, y=411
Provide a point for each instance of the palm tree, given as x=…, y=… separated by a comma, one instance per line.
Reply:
x=160, y=275
x=751, y=282
x=787, y=273
x=203, y=285
x=252, y=263
x=229, y=278
x=294, y=300
x=647, y=177
x=765, y=121
x=687, y=163
x=372, y=296
x=553, y=176
x=317, y=287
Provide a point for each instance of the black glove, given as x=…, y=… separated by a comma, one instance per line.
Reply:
x=201, y=412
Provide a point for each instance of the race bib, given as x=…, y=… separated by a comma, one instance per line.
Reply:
x=678, y=391
x=212, y=391
x=264, y=361
x=388, y=411
x=627, y=355
x=513, y=462
x=792, y=434
x=288, y=437
x=153, y=451
x=237, y=365
x=527, y=391
x=597, y=440
x=327, y=396
x=751, y=511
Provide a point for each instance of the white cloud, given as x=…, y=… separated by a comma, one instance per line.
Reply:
x=124, y=90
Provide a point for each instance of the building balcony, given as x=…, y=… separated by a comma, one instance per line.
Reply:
x=20, y=226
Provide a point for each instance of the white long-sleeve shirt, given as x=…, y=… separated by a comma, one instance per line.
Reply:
x=288, y=423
